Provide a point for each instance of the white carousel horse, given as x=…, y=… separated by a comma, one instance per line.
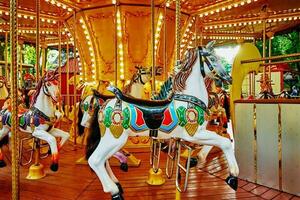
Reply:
x=124, y=116
x=91, y=104
x=3, y=90
x=41, y=116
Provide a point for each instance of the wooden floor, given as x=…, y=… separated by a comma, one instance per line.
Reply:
x=79, y=182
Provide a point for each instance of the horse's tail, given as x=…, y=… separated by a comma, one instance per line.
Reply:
x=94, y=135
x=79, y=118
x=4, y=141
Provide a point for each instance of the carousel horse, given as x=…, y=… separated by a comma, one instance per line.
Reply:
x=40, y=118
x=3, y=90
x=179, y=116
x=91, y=104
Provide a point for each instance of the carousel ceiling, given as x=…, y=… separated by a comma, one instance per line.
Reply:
x=96, y=30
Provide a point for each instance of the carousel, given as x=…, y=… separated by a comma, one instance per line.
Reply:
x=149, y=99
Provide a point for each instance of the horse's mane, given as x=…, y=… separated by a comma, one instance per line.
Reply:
x=165, y=90
x=49, y=76
x=37, y=92
x=127, y=88
x=179, y=82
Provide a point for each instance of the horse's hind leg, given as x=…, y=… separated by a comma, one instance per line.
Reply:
x=3, y=132
x=207, y=137
x=106, y=148
x=50, y=139
x=203, y=153
x=62, y=134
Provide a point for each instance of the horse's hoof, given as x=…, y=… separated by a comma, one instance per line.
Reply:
x=232, y=181
x=193, y=162
x=117, y=197
x=120, y=188
x=2, y=164
x=124, y=167
x=54, y=167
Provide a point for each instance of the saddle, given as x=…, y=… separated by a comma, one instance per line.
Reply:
x=102, y=96
x=153, y=111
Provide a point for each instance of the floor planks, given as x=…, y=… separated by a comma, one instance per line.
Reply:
x=78, y=182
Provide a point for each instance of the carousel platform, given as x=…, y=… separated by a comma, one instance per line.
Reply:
x=78, y=182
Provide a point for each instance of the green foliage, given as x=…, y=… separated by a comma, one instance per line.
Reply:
x=29, y=54
x=287, y=43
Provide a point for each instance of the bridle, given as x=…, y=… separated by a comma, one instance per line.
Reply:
x=202, y=59
x=139, y=74
x=47, y=93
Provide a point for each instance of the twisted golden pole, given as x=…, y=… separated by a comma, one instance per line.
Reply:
x=177, y=32
x=14, y=86
x=153, y=45
x=75, y=73
x=37, y=40
x=116, y=45
x=6, y=56
x=165, y=42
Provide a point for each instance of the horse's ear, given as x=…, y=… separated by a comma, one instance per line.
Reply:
x=210, y=45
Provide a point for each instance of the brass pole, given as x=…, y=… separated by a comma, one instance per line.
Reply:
x=6, y=56
x=153, y=45
x=116, y=44
x=264, y=45
x=21, y=63
x=75, y=73
x=250, y=84
x=59, y=54
x=44, y=58
x=165, y=43
x=14, y=87
x=271, y=58
x=177, y=32
x=270, y=54
x=68, y=77
x=280, y=62
x=253, y=83
x=37, y=39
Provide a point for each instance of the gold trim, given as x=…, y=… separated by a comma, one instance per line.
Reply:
x=279, y=148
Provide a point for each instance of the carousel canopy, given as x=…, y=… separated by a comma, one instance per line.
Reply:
x=109, y=30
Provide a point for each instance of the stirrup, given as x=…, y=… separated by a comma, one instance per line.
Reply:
x=172, y=154
x=155, y=154
x=31, y=150
x=182, y=168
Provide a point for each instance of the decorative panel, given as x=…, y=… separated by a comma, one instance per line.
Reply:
x=102, y=31
x=267, y=145
x=244, y=138
x=290, y=115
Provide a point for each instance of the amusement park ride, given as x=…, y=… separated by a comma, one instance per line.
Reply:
x=134, y=77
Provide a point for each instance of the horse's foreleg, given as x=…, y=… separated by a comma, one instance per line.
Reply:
x=113, y=177
x=62, y=134
x=106, y=148
x=44, y=135
x=2, y=163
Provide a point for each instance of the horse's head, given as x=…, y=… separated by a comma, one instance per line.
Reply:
x=142, y=75
x=50, y=85
x=88, y=107
x=210, y=64
x=3, y=81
